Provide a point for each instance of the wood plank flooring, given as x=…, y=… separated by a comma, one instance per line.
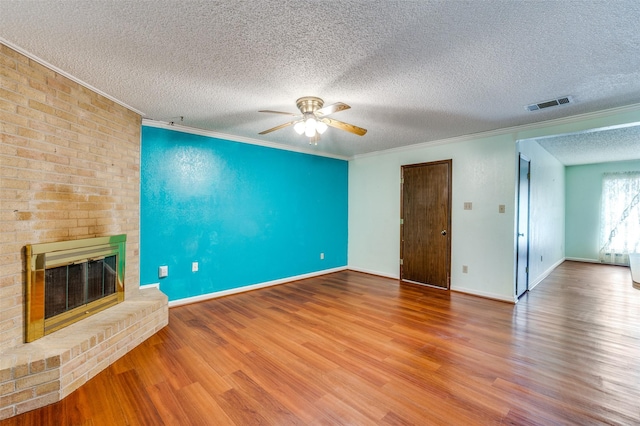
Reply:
x=350, y=348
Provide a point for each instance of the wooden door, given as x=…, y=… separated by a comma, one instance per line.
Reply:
x=425, y=230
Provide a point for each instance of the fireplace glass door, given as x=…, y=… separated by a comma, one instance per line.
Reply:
x=71, y=286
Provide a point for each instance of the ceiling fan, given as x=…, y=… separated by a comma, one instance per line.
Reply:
x=313, y=120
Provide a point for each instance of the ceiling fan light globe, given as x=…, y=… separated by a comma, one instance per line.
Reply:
x=310, y=123
x=310, y=127
x=299, y=128
x=321, y=127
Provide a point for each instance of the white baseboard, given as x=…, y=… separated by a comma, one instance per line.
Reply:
x=580, y=259
x=546, y=273
x=372, y=272
x=154, y=285
x=486, y=295
x=203, y=297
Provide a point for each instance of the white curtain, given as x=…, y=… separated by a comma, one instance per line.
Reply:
x=620, y=217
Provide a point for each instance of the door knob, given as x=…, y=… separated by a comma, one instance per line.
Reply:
x=520, y=235
x=444, y=232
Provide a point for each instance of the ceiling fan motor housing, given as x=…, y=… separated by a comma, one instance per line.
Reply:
x=309, y=104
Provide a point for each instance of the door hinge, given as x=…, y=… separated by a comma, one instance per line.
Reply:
x=401, y=181
x=401, y=221
x=401, y=262
x=526, y=270
x=528, y=175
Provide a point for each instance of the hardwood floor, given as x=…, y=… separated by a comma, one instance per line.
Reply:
x=350, y=348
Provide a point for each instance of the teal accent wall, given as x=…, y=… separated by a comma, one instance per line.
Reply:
x=582, y=206
x=247, y=214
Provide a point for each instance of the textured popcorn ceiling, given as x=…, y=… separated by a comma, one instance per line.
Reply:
x=598, y=146
x=412, y=71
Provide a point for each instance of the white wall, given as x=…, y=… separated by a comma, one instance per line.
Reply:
x=583, y=186
x=484, y=172
x=547, y=211
x=482, y=238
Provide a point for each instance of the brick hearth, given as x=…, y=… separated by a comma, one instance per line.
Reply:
x=36, y=374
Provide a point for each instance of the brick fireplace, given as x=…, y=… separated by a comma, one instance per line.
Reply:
x=70, y=170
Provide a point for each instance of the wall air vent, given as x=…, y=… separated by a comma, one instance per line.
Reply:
x=548, y=104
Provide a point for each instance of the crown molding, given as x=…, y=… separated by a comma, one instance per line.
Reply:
x=515, y=130
x=210, y=133
x=67, y=75
x=491, y=133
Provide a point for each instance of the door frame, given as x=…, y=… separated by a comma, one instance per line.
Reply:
x=522, y=157
x=449, y=162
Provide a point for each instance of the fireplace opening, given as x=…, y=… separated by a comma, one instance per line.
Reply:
x=68, y=287
x=68, y=281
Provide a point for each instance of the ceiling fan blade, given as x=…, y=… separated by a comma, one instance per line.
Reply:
x=330, y=109
x=278, y=112
x=282, y=126
x=344, y=126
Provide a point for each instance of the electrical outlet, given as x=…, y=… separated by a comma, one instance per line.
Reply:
x=321, y=256
x=468, y=205
x=163, y=271
x=501, y=208
x=465, y=269
x=194, y=266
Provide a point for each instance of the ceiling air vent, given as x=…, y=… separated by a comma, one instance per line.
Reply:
x=548, y=104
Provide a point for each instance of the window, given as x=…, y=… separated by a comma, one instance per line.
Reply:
x=620, y=217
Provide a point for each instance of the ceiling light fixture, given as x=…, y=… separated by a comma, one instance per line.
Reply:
x=313, y=120
x=321, y=127
x=310, y=126
x=299, y=127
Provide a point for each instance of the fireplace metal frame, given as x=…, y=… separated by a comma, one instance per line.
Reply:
x=51, y=255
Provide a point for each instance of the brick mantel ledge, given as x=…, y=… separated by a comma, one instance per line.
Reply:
x=36, y=374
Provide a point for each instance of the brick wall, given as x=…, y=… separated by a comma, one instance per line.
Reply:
x=69, y=169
